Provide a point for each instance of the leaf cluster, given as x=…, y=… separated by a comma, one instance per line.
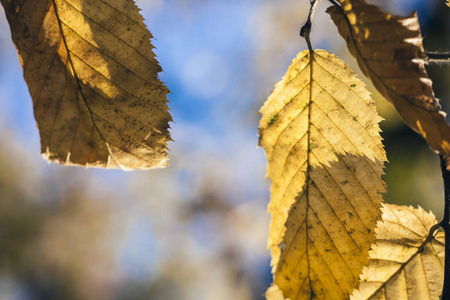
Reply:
x=325, y=161
x=98, y=102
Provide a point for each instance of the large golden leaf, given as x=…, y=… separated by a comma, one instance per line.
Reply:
x=404, y=264
x=320, y=131
x=389, y=51
x=93, y=78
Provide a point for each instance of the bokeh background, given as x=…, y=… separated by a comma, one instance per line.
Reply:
x=197, y=229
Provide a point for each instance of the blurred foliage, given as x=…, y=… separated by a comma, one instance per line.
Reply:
x=56, y=249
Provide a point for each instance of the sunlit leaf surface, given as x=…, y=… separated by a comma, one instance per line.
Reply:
x=93, y=78
x=404, y=264
x=389, y=51
x=320, y=131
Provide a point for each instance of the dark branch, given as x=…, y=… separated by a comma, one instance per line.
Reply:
x=445, y=224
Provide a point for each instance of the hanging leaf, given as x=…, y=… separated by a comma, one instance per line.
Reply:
x=319, y=129
x=93, y=78
x=404, y=263
x=389, y=51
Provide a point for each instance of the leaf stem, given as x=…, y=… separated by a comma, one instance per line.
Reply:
x=334, y=3
x=445, y=224
x=306, y=28
x=305, y=32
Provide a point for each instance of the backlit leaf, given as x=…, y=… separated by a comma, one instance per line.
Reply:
x=274, y=293
x=319, y=128
x=389, y=51
x=93, y=78
x=404, y=264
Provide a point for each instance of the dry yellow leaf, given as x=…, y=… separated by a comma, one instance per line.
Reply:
x=404, y=264
x=93, y=78
x=320, y=131
x=274, y=293
x=389, y=51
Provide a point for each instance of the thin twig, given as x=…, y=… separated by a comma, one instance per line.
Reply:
x=445, y=224
x=432, y=233
x=436, y=57
x=306, y=28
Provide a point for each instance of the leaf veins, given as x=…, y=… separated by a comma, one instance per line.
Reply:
x=390, y=53
x=93, y=78
x=319, y=129
x=405, y=263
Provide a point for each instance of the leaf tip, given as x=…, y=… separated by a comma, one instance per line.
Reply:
x=275, y=293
